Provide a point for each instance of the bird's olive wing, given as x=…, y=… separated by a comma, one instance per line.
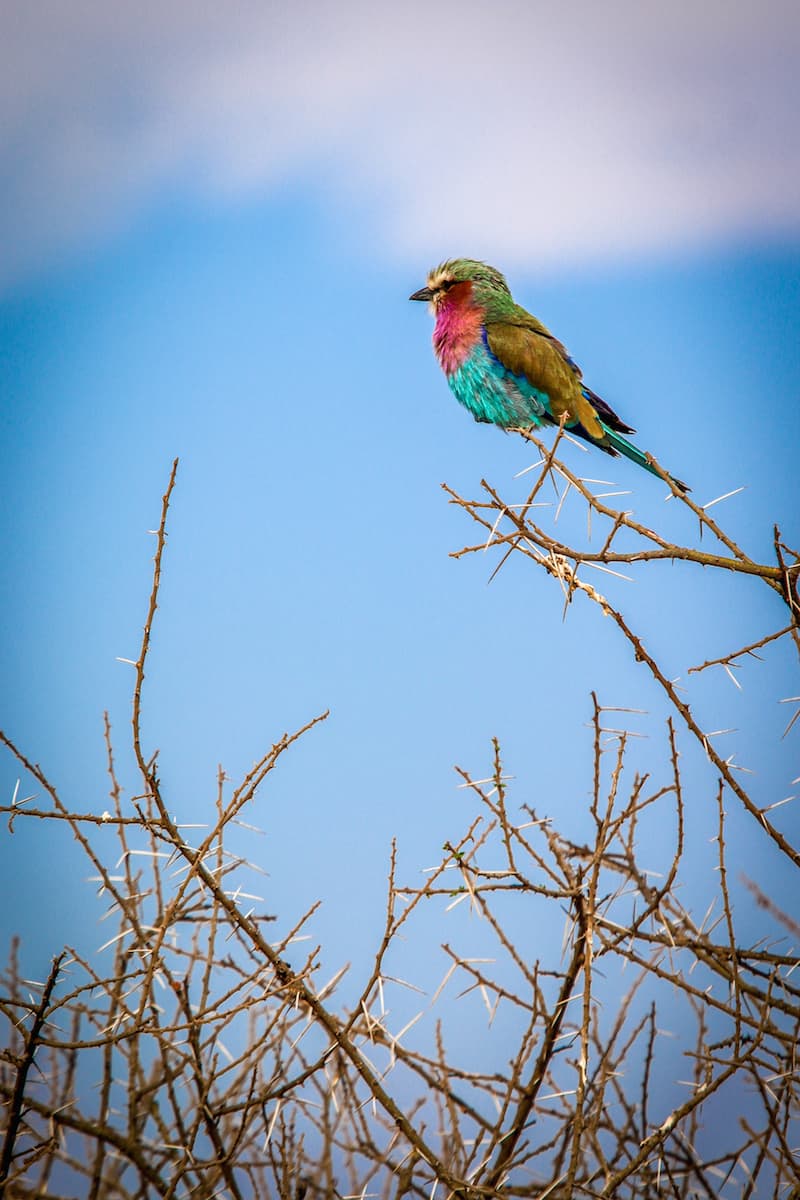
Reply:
x=526, y=320
x=543, y=361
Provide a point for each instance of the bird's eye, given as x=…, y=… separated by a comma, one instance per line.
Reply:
x=448, y=283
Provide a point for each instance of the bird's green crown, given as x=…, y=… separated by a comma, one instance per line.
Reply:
x=488, y=283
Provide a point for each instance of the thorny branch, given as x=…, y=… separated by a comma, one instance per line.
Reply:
x=204, y=1060
x=562, y=562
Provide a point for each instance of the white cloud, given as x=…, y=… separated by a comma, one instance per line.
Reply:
x=525, y=131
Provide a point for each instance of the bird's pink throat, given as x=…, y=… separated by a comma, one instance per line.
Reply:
x=458, y=327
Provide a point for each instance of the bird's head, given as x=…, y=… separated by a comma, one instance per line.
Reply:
x=463, y=281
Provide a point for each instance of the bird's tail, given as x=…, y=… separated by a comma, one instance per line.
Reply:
x=615, y=443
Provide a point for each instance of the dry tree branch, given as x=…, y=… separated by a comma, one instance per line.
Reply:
x=562, y=562
x=24, y=1064
x=223, y=1068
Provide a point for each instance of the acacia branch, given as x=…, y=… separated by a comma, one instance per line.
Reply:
x=17, y=1094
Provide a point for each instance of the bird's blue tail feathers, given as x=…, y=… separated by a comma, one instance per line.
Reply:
x=615, y=443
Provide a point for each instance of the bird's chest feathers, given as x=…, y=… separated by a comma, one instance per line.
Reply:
x=458, y=330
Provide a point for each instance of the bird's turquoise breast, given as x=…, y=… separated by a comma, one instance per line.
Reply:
x=494, y=394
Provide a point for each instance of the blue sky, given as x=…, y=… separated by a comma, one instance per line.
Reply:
x=214, y=222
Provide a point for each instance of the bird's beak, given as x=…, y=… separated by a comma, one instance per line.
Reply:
x=424, y=293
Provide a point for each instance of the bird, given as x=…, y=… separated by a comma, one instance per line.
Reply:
x=507, y=369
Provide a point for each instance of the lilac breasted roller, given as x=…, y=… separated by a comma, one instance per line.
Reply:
x=507, y=369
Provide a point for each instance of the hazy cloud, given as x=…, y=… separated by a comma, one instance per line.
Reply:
x=528, y=131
